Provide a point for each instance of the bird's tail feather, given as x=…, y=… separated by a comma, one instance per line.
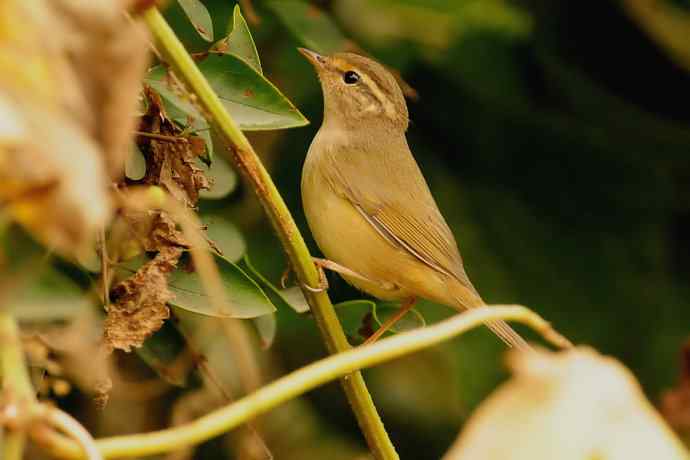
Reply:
x=499, y=327
x=508, y=335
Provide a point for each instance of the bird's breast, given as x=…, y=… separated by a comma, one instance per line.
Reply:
x=342, y=234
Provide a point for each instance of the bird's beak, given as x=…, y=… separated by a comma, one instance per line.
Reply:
x=315, y=58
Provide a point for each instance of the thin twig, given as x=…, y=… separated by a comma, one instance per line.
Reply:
x=162, y=137
x=295, y=384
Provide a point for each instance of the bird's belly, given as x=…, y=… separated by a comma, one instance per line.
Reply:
x=346, y=238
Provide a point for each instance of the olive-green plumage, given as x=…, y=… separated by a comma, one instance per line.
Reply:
x=366, y=200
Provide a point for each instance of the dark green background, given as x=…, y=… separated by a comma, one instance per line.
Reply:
x=560, y=158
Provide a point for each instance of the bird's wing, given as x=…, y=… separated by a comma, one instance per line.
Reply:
x=390, y=192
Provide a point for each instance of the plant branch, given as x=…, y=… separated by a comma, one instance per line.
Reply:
x=241, y=153
x=295, y=384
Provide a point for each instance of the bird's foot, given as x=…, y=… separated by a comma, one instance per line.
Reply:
x=323, y=281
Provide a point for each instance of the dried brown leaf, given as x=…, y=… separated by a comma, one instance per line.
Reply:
x=139, y=302
x=171, y=160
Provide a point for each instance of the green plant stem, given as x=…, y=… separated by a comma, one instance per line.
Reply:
x=241, y=153
x=16, y=385
x=295, y=384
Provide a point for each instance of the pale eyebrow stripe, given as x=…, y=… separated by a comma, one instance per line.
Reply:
x=374, y=87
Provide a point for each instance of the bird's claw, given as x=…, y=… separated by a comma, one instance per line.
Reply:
x=323, y=281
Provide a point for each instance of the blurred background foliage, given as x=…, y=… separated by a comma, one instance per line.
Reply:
x=555, y=136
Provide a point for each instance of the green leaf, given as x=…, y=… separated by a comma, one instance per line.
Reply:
x=291, y=297
x=222, y=177
x=162, y=352
x=294, y=297
x=243, y=297
x=355, y=315
x=226, y=237
x=239, y=42
x=42, y=293
x=199, y=17
x=253, y=101
x=135, y=165
x=314, y=28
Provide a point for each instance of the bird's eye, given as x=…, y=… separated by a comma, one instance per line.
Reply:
x=351, y=77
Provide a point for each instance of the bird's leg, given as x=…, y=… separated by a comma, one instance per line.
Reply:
x=334, y=267
x=326, y=264
x=404, y=308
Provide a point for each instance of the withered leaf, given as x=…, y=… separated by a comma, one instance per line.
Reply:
x=139, y=302
x=171, y=159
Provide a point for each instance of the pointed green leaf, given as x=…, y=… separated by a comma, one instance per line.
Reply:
x=355, y=317
x=313, y=27
x=292, y=297
x=162, y=352
x=243, y=297
x=239, y=42
x=253, y=101
x=199, y=17
x=225, y=236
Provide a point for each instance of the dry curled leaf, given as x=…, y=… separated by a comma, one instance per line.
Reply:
x=171, y=158
x=139, y=302
x=137, y=231
x=571, y=405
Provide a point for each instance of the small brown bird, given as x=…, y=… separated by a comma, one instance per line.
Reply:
x=366, y=201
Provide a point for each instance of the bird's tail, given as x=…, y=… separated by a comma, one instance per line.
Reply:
x=469, y=298
x=508, y=335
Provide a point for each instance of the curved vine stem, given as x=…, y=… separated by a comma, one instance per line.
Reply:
x=17, y=392
x=68, y=425
x=295, y=384
x=240, y=152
